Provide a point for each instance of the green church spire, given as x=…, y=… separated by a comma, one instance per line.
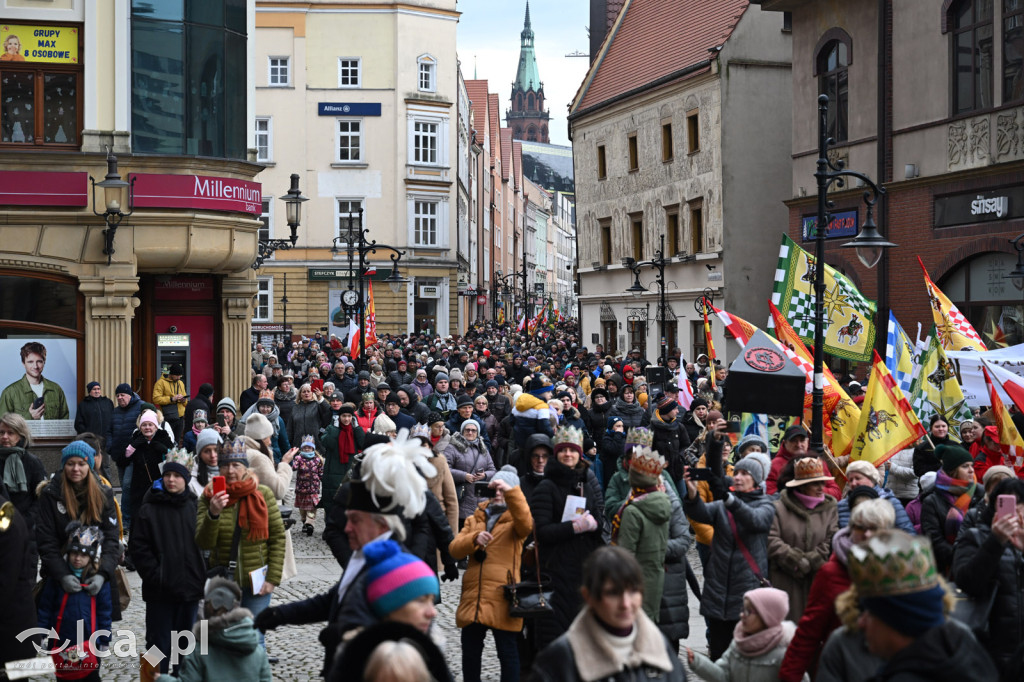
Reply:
x=527, y=76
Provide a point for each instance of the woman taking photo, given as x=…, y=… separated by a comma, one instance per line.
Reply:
x=612, y=638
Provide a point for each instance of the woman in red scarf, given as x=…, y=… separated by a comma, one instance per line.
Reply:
x=340, y=442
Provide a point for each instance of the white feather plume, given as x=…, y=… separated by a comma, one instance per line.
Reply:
x=399, y=471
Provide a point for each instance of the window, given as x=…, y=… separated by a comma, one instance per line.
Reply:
x=972, y=55
x=347, y=218
x=636, y=227
x=425, y=223
x=637, y=333
x=264, y=140
x=672, y=245
x=666, y=142
x=350, y=141
x=1013, y=50
x=278, y=72
x=606, y=241
x=41, y=103
x=348, y=72
x=427, y=71
x=693, y=131
x=700, y=343
x=264, y=310
x=634, y=156
x=267, y=218
x=602, y=165
x=833, y=80
x=425, y=142
x=697, y=226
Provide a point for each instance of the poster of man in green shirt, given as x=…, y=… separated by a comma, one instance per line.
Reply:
x=33, y=396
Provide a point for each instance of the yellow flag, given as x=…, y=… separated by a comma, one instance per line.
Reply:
x=955, y=332
x=887, y=424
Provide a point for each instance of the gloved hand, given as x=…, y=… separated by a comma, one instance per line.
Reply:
x=70, y=584
x=584, y=524
x=268, y=619
x=804, y=565
x=94, y=584
x=451, y=573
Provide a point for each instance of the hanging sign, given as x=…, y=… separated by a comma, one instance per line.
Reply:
x=49, y=44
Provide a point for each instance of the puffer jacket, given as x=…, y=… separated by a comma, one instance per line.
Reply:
x=163, y=547
x=215, y=535
x=77, y=612
x=53, y=518
x=670, y=440
x=233, y=652
x=799, y=533
x=164, y=389
x=735, y=666
x=644, y=532
x=903, y=521
x=979, y=560
x=530, y=415
x=674, y=619
x=419, y=411
x=483, y=598
x=468, y=458
x=728, y=576
x=632, y=414
x=122, y=426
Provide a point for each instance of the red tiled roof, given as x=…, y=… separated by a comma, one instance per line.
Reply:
x=612, y=8
x=652, y=39
x=477, y=91
x=492, y=106
x=517, y=164
x=506, y=153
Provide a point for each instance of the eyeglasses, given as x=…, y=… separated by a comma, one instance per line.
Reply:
x=863, y=529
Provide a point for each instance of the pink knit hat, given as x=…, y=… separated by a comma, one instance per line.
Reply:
x=770, y=603
x=149, y=416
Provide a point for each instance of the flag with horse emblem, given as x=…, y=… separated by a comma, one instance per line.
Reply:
x=887, y=424
x=935, y=390
x=849, y=316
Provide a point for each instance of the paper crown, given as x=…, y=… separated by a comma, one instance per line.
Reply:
x=420, y=431
x=308, y=441
x=234, y=449
x=639, y=435
x=178, y=456
x=647, y=462
x=83, y=539
x=569, y=435
x=892, y=563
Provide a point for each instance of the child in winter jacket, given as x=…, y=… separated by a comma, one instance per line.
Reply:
x=78, y=598
x=309, y=468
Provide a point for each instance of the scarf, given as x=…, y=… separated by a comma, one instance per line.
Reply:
x=757, y=643
x=841, y=544
x=253, y=514
x=346, y=443
x=14, y=472
x=634, y=494
x=959, y=494
x=807, y=500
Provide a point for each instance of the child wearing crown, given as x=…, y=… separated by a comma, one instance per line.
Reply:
x=309, y=471
x=63, y=611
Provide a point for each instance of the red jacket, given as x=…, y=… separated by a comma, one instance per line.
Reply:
x=818, y=621
x=366, y=420
x=780, y=460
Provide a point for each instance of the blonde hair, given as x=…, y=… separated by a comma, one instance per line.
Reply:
x=396, y=662
x=15, y=422
x=877, y=513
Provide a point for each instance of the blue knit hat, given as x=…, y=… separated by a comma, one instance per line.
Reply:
x=78, y=448
x=395, y=578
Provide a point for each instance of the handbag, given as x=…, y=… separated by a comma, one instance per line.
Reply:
x=974, y=612
x=761, y=580
x=77, y=661
x=124, y=592
x=229, y=570
x=529, y=598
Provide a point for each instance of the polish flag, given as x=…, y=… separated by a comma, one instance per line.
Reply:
x=685, y=391
x=370, y=270
x=1010, y=382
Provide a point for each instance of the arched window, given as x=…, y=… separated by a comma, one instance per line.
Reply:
x=831, y=67
x=529, y=101
x=519, y=100
x=970, y=22
x=427, y=73
x=531, y=134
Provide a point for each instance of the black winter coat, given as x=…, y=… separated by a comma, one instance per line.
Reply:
x=95, y=416
x=597, y=419
x=613, y=448
x=35, y=473
x=122, y=426
x=670, y=440
x=934, y=508
x=419, y=411
x=17, y=577
x=147, y=458
x=925, y=459
x=632, y=414
x=947, y=653
x=53, y=519
x=558, y=662
x=562, y=551
x=693, y=429
x=200, y=402
x=674, y=618
x=163, y=546
x=440, y=533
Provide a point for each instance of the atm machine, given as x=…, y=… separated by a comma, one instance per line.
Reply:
x=173, y=349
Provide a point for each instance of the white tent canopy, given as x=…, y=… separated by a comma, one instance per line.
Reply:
x=972, y=381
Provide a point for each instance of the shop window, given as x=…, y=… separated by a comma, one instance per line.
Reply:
x=990, y=300
x=971, y=55
x=608, y=336
x=833, y=80
x=638, y=334
x=40, y=86
x=699, y=345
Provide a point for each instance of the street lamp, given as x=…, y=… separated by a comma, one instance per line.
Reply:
x=657, y=263
x=354, y=243
x=293, y=201
x=501, y=286
x=869, y=244
x=116, y=193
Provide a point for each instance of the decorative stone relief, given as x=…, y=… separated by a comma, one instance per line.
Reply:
x=957, y=143
x=1006, y=134
x=979, y=139
x=968, y=143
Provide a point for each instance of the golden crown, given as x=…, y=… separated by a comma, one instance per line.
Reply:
x=569, y=435
x=641, y=436
x=892, y=563
x=179, y=456
x=647, y=462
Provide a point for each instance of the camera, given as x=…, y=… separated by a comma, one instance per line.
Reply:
x=700, y=474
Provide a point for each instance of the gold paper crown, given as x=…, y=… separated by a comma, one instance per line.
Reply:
x=640, y=436
x=892, y=563
x=647, y=462
x=235, y=447
x=180, y=456
x=569, y=435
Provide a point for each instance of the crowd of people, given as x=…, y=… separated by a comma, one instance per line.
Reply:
x=554, y=481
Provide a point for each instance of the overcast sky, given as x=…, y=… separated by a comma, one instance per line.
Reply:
x=489, y=39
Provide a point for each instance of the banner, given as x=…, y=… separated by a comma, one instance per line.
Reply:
x=52, y=360
x=46, y=44
x=849, y=316
x=972, y=381
x=740, y=329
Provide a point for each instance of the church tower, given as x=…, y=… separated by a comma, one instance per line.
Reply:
x=528, y=118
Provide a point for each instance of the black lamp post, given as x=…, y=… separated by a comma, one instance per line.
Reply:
x=869, y=244
x=353, y=302
x=503, y=285
x=116, y=194
x=293, y=215
x=658, y=263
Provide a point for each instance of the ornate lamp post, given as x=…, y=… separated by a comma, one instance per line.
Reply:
x=117, y=193
x=293, y=215
x=657, y=263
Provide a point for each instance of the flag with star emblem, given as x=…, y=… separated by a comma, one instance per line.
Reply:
x=935, y=389
x=849, y=316
x=954, y=331
x=887, y=424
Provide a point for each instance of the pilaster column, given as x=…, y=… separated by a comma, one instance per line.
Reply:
x=109, y=308
x=237, y=292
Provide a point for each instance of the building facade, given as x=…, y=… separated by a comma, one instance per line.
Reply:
x=671, y=158
x=169, y=91
x=372, y=124
x=941, y=130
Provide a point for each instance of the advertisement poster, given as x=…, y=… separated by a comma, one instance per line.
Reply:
x=49, y=44
x=39, y=377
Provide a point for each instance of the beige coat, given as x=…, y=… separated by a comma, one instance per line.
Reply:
x=279, y=481
x=799, y=543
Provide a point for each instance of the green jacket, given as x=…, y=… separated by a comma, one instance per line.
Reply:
x=644, y=532
x=18, y=398
x=215, y=535
x=334, y=470
x=233, y=652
